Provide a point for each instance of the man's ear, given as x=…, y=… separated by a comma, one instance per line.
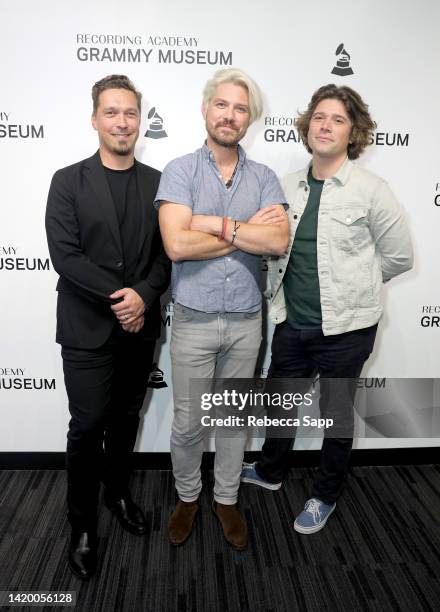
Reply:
x=351, y=138
x=203, y=108
x=93, y=118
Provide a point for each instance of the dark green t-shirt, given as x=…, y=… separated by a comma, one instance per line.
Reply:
x=301, y=282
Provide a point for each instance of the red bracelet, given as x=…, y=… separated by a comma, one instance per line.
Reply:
x=224, y=226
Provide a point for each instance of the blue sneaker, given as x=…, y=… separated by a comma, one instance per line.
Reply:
x=314, y=516
x=249, y=475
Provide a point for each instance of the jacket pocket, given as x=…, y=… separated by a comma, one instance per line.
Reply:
x=349, y=227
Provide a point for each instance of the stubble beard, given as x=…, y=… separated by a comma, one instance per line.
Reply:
x=228, y=144
x=122, y=151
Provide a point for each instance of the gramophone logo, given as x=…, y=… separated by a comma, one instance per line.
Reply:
x=342, y=67
x=156, y=380
x=155, y=128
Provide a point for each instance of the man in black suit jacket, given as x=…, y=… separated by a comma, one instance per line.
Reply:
x=105, y=244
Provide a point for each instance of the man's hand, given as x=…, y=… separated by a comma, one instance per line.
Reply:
x=129, y=308
x=271, y=215
x=265, y=233
x=211, y=224
x=250, y=236
x=134, y=327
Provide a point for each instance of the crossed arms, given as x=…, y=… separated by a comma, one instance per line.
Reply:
x=187, y=236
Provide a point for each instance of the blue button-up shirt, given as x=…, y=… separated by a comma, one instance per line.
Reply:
x=230, y=283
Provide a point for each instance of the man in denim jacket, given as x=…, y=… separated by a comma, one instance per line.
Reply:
x=347, y=236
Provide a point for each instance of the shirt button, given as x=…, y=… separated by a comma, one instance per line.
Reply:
x=306, y=188
x=119, y=264
x=280, y=270
x=295, y=216
x=227, y=278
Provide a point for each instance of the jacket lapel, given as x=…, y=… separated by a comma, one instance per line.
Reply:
x=103, y=196
x=145, y=197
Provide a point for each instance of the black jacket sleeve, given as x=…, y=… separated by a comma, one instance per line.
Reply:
x=63, y=237
x=158, y=278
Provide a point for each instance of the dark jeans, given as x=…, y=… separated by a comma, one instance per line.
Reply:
x=106, y=389
x=301, y=354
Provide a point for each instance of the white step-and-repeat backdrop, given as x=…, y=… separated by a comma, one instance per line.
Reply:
x=53, y=52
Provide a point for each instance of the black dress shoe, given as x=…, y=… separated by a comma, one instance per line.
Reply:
x=82, y=554
x=129, y=515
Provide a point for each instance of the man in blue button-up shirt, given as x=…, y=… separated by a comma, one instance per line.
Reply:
x=219, y=212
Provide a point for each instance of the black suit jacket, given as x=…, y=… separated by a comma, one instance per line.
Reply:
x=85, y=248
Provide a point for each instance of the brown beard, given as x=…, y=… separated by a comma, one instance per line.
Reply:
x=122, y=151
x=224, y=143
x=229, y=144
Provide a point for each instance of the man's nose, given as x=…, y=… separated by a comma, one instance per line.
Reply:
x=326, y=124
x=122, y=120
x=229, y=113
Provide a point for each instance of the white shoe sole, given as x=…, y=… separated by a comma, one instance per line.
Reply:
x=314, y=529
x=265, y=485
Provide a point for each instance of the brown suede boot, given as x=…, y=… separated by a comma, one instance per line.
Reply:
x=233, y=524
x=181, y=522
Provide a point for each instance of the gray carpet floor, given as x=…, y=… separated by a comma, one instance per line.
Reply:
x=379, y=550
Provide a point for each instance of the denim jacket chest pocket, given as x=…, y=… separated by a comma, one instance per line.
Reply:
x=349, y=227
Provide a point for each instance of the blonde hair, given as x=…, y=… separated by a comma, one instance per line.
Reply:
x=238, y=77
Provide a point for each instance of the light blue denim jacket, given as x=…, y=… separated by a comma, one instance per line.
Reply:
x=362, y=241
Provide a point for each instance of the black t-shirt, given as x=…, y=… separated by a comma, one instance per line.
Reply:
x=123, y=188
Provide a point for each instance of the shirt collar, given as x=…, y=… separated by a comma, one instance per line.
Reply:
x=341, y=176
x=344, y=172
x=208, y=155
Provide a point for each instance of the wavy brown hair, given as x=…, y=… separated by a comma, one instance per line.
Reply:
x=114, y=81
x=362, y=124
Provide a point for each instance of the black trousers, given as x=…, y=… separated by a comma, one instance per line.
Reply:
x=106, y=389
x=301, y=354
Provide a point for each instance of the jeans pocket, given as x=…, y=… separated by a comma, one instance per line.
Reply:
x=182, y=313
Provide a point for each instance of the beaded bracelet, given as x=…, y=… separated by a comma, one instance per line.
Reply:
x=234, y=233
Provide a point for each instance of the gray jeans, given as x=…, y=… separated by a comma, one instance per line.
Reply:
x=207, y=346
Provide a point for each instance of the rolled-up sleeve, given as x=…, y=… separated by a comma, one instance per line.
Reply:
x=176, y=183
x=271, y=190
